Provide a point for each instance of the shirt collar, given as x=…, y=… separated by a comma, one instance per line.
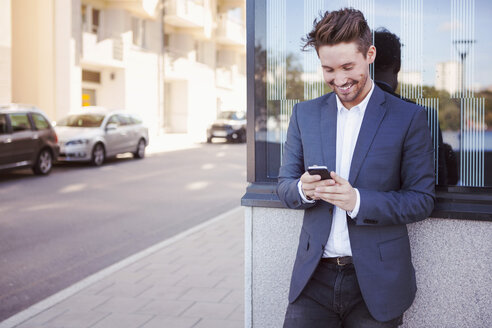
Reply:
x=362, y=105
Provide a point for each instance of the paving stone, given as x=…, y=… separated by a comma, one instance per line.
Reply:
x=119, y=320
x=210, y=310
x=237, y=314
x=129, y=276
x=171, y=308
x=122, y=305
x=162, y=278
x=76, y=319
x=196, y=280
x=214, y=323
x=82, y=302
x=206, y=294
x=164, y=292
x=122, y=289
x=232, y=281
x=171, y=322
x=235, y=297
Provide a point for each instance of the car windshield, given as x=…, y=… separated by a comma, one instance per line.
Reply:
x=232, y=116
x=82, y=120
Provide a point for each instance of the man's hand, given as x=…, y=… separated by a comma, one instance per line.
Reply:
x=336, y=191
x=309, y=183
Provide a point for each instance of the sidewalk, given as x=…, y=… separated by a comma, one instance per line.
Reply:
x=195, y=279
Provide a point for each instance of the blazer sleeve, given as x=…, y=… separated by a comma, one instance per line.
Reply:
x=292, y=166
x=415, y=199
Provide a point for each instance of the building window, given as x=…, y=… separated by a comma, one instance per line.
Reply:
x=91, y=19
x=138, y=29
x=91, y=76
x=444, y=68
x=95, y=20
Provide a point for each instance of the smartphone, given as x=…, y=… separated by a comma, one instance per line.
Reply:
x=319, y=170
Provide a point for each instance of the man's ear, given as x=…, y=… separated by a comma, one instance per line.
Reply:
x=371, y=54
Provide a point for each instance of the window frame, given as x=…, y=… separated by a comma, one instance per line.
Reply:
x=464, y=203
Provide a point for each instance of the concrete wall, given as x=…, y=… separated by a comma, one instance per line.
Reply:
x=451, y=257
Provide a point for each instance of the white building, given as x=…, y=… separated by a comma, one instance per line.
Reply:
x=448, y=76
x=205, y=62
x=176, y=63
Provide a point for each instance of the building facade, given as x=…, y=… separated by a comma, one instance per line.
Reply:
x=175, y=63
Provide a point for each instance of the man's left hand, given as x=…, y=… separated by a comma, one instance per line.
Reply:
x=337, y=191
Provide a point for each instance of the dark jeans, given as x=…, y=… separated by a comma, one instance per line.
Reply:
x=332, y=298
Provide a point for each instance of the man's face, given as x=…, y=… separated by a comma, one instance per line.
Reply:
x=346, y=71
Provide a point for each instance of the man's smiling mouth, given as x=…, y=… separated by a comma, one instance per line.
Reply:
x=346, y=88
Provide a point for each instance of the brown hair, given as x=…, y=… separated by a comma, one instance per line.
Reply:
x=344, y=25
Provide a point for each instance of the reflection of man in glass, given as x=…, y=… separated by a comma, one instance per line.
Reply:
x=388, y=61
x=353, y=266
x=386, y=67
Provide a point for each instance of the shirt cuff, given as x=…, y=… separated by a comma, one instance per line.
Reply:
x=304, y=199
x=355, y=211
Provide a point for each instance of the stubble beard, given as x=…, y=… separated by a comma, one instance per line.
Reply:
x=355, y=83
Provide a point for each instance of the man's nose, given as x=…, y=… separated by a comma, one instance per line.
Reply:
x=340, y=79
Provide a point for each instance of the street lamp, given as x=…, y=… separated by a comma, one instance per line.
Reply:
x=463, y=47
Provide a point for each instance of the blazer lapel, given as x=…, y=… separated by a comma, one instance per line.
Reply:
x=328, y=128
x=373, y=117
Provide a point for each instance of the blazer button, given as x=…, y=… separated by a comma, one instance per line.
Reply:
x=296, y=202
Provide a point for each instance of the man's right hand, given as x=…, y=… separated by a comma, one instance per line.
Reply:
x=309, y=183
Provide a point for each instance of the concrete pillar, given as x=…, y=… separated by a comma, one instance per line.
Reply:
x=5, y=52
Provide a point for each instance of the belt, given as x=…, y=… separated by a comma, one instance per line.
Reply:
x=341, y=261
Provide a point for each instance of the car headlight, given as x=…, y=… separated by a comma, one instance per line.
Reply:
x=77, y=142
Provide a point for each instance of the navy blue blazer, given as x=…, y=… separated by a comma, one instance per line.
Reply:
x=393, y=169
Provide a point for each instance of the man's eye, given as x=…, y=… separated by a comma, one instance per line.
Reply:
x=328, y=70
x=348, y=68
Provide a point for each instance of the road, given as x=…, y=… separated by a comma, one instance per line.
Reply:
x=59, y=229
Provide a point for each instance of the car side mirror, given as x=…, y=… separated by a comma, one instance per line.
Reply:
x=111, y=126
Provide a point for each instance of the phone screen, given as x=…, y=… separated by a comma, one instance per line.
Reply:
x=322, y=171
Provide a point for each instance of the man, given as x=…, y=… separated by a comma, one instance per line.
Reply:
x=353, y=266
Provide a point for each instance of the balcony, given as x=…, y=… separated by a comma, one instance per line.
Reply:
x=142, y=8
x=185, y=13
x=230, y=31
x=107, y=52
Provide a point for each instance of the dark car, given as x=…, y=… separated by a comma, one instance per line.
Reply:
x=27, y=139
x=230, y=125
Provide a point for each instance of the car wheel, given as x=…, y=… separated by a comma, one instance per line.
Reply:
x=140, y=152
x=98, y=154
x=44, y=162
x=209, y=139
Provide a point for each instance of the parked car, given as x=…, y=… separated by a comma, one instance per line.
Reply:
x=94, y=134
x=230, y=125
x=27, y=139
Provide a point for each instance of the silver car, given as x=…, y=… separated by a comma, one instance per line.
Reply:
x=92, y=135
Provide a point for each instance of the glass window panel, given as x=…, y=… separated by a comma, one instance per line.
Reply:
x=444, y=67
x=19, y=122
x=40, y=122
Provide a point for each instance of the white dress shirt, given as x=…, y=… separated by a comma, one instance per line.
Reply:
x=348, y=127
